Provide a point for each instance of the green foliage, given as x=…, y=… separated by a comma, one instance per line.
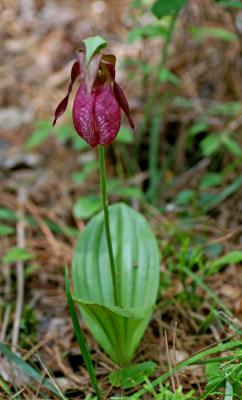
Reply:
x=66, y=230
x=195, y=359
x=93, y=45
x=147, y=31
x=125, y=136
x=17, y=254
x=233, y=257
x=216, y=142
x=80, y=177
x=228, y=109
x=226, y=376
x=117, y=328
x=185, y=197
x=135, y=374
x=230, y=3
x=81, y=338
x=163, y=8
x=198, y=127
x=210, y=145
x=203, y=32
x=118, y=187
x=211, y=179
x=8, y=215
x=6, y=230
x=215, y=200
x=189, y=260
x=231, y=323
x=40, y=134
x=87, y=206
x=29, y=371
x=67, y=134
x=165, y=393
x=164, y=75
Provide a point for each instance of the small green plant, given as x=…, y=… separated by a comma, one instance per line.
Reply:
x=117, y=314
x=164, y=393
x=165, y=14
x=200, y=358
x=225, y=378
x=115, y=266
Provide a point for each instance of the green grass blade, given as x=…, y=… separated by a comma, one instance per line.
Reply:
x=203, y=285
x=27, y=369
x=224, y=194
x=81, y=338
x=5, y=387
x=192, y=360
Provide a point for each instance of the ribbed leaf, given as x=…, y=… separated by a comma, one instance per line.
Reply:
x=119, y=328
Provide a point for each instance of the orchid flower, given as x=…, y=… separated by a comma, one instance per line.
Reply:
x=97, y=106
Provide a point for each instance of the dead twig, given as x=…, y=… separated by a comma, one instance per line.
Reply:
x=20, y=269
x=5, y=322
x=169, y=363
x=174, y=352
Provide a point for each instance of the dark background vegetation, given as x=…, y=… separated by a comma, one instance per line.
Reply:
x=181, y=168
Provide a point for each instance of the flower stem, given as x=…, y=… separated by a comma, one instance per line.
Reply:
x=103, y=180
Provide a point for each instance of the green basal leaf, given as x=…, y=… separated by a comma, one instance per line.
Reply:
x=93, y=45
x=117, y=328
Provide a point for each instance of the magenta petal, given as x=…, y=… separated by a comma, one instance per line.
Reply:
x=96, y=116
x=122, y=101
x=75, y=71
x=61, y=108
x=83, y=116
x=107, y=114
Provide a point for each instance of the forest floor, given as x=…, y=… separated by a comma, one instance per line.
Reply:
x=40, y=185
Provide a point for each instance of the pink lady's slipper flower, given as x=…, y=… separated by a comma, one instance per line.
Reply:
x=97, y=106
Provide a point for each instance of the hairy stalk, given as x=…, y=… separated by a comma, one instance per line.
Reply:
x=103, y=180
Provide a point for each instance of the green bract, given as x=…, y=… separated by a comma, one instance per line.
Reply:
x=118, y=329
